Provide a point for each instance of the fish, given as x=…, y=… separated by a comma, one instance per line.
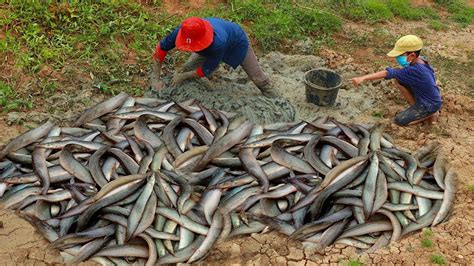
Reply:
x=448, y=197
x=26, y=138
x=370, y=186
x=148, y=181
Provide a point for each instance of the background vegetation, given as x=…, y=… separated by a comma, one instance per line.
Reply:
x=94, y=37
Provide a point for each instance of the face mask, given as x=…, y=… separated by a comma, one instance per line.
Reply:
x=402, y=60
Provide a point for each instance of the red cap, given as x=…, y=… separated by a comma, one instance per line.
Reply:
x=195, y=34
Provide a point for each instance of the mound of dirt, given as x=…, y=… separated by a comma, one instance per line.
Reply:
x=231, y=90
x=233, y=97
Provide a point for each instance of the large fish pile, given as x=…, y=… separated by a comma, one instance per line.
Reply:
x=144, y=180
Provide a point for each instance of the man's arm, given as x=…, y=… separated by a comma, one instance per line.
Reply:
x=180, y=77
x=155, y=75
x=377, y=75
x=159, y=55
x=208, y=66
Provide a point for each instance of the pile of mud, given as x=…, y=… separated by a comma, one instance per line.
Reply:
x=231, y=90
x=239, y=98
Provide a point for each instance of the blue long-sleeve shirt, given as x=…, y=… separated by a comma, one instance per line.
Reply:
x=421, y=81
x=230, y=45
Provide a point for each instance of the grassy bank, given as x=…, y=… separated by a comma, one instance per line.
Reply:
x=46, y=44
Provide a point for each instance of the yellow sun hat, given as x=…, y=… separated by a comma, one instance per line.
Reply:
x=407, y=43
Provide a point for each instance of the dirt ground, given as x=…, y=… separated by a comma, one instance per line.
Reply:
x=20, y=244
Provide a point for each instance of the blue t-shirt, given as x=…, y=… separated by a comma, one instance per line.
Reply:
x=421, y=81
x=230, y=45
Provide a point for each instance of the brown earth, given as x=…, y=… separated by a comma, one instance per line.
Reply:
x=21, y=244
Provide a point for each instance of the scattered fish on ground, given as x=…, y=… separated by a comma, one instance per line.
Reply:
x=151, y=181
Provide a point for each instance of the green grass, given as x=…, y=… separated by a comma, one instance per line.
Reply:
x=437, y=259
x=366, y=10
x=354, y=262
x=378, y=114
x=446, y=67
x=94, y=37
x=426, y=243
x=470, y=187
x=427, y=232
x=55, y=33
x=95, y=33
x=9, y=99
x=460, y=11
x=381, y=10
x=274, y=24
x=404, y=9
x=437, y=25
x=100, y=33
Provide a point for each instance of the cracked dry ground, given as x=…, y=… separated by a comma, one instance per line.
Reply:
x=20, y=244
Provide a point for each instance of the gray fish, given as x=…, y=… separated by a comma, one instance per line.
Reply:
x=26, y=138
x=223, y=144
x=182, y=220
x=367, y=228
x=410, y=160
x=284, y=158
x=89, y=250
x=144, y=133
x=415, y=190
x=370, y=186
x=343, y=146
x=424, y=220
x=211, y=238
x=183, y=254
x=95, y=169
x=376, y=137
x=167, y=116
x=439, y=169
x=139, y=206
x=147, y=181
x=102, y=108
x=381, y=192
x=448, y=197
x=73, y=166
x=252, y=166
x=41, y=169
x=169, y=138
x=312, y=158
x=128, y=250
x=200, y=130
x=331, y=234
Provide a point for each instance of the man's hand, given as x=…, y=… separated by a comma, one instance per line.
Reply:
x=357, y=81
x=180, y=77
x=157, y=85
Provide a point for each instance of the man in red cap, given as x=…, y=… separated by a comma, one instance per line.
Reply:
x=211, y=40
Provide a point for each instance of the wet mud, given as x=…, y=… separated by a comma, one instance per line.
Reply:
x=232, y=90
